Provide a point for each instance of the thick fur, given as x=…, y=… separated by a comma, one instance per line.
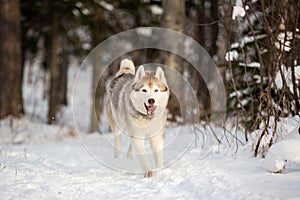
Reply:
x=136, y=105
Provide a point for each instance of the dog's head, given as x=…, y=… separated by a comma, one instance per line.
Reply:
x=150, y=91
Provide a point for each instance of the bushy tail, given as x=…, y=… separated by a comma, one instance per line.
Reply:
x=126, y=67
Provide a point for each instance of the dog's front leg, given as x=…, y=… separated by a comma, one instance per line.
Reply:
x=130, y=151
x=140, y=151
x=157, y=147
x=117, y=149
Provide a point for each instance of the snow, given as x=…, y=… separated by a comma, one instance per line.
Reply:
x=25, y=131
x=63, y=170
x=34, y=90
x=145, y=32
x=231, y=55
x=288, y=149
x=279, y=153
x=156, y=10
x=287, y=73
x=39, y=161
x=246, y=40
x=238, y=11
x=86, y=11
x=284, y=129
x=284, y=43
x=105, y=5
x=252, y=64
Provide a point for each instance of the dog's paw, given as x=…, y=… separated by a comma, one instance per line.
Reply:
x=130, y=155
x=148, y=174
x=130, y=152
x=117, y=152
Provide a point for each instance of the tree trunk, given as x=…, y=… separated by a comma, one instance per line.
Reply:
x=63, y=73
x=174, y=18
x=98, y=88
x=199, y=85
x=223, y=41
x=214, y=27
x=11, y=102
x=54, y=70
x=200, y=22
x=224, y=30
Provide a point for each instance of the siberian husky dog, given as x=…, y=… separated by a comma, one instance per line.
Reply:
x=136, y=105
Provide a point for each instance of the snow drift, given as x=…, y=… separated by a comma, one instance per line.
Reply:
x=285, y=150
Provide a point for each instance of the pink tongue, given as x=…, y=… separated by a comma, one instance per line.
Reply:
x=151, y=109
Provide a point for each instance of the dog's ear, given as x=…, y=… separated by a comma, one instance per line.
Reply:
x=140, y=73
x=160, y=75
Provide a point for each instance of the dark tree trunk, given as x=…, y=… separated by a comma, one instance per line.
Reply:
x=201, y=15
x=54, y=70
x=63, y=73
x=174, y=18
x=98, y=85
x=200, y=36
x=214, y=28
x=11, y=102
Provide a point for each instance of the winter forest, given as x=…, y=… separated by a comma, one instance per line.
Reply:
x=233, y=117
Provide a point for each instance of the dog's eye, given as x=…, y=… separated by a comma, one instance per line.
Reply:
x=144, y=90
x=156, y=90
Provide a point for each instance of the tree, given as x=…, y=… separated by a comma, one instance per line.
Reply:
x=105, y=21
x=174, y=18
x=54, y=70
x=204, y=25
x=54, y=33
x=11, y=102
x=98, y=87
x=263, y=59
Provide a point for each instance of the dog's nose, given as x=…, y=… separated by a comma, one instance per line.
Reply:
x=151, y=101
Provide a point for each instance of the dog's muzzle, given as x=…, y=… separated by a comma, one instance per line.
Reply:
x=150, y=109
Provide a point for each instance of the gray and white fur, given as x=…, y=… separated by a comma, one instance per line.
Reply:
x=136, y=105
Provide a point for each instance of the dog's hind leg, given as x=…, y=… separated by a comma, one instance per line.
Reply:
x=115, y=130
x=118, y=146
x=117, y=140
x=130, y=151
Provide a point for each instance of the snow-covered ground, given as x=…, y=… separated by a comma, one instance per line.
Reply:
x=63, y=169
x=39, y=161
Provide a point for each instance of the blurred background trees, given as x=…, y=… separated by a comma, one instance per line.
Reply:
x=264, y=69
x=11, y=102
x=256, y=51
